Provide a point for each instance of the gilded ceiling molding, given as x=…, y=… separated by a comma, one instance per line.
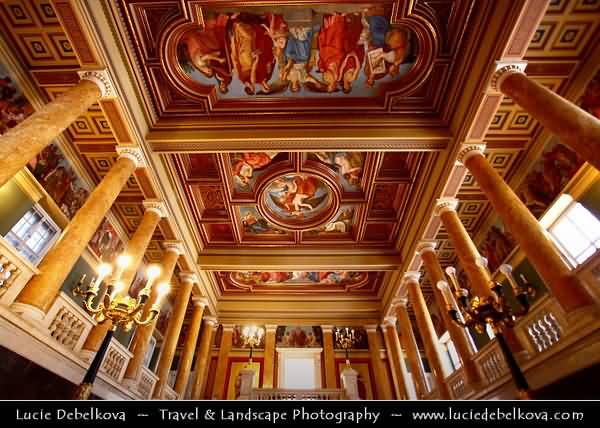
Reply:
x=102, y=79
x=157, y=206
x=504, y=69
x=411, y=276
x=174, y=246
x=447, y=203
x=469, y=150
x=134, y=153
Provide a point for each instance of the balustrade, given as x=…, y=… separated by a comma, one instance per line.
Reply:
x=147, y=382
x=297, y=394
x=491, y=362
x=15, y=272
x=116, y=360
x=169, y=394
x=457, y=384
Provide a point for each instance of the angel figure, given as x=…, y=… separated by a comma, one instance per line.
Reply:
x=294, y=195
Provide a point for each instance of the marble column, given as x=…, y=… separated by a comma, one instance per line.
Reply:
x=169, y=345
x=574, y=126
x=527, y=231
x=269, y=356
x=465, y=249
x=203, y=357
x=428, y=334
x=382, y=384
x=395, y=357
x=409, y=343
x=136, y=249
x=23, y=142
x=189, y=347
x=329, y=356
x=461, y=339
x=219, y=391
x=143, y=333
x=39, y=293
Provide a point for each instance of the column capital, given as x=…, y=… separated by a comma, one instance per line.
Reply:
x=400, y=301
x=270, y=327
x=505, y=68
x=469, y=150
x=155, y=205
x=411, y=276
x=188, y=277
x=327, y=328
x=132, y=152
x=426, y=245
x=371, y=328
x=174, y=246
x=228, y=327
x=443, y=204
x=442, y=285
x=100, y=78
x=210, y=320
x=389, y=321
x=200, y=301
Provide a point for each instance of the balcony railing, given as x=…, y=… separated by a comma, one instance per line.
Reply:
x=297, y=394
x=15, y=272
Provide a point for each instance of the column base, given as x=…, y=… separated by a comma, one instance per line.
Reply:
x=28, y=312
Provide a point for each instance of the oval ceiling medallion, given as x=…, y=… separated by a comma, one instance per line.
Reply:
x=298, y=201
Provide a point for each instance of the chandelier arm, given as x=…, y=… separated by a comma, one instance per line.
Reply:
x=151, y=317
x=89, y=302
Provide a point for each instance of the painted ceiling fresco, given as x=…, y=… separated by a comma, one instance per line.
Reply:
x=292, y=198
x=297, y=51
x=299, y=281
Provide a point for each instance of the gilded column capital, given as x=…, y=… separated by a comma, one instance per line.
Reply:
x=271, y=327
x=426, y=245
x=155, y=205
x=210, y=320
x=504, y=69
x=469, y=150
x=100, y=78
x=327, y=328
x=174, y=246
x=446, y=203
x=132, y=152
x=411, y=276
x=400, y=301
x=188, y=277
x=199, y=301
x=389, y=321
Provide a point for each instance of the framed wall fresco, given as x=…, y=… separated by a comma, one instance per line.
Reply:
x=106, y=243
x=299, y=337
x=14, y=107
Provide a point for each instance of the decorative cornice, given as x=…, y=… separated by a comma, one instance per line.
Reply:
x=469, y=150
x=188, y=277
x=426, y=245
x=174, y=246
x=132, y=152
x=503, y=70
x=200, y=301
x=446, y=203
x=389, y=321
x=155, y=205
x=411, y=276
x=210, y=320
x=102, y=79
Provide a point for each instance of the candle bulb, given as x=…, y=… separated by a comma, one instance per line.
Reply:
x=122, y=262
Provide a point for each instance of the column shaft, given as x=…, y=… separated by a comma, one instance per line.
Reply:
x=429, y=337
x=459, y=335
x=136, y=248
x=219, y=389
x=396, y=359
x=329, y=357
x=187, y=355
x=172, y=335
x=467, y=253
x=529, y=234
x=23, y=142
x=269, y=357
x=43, y=288
x=202, y=359
x=409, y=343
x=143, y=333
x=382, y=384
x=574, y=126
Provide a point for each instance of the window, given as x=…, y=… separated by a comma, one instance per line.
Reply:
x=450, y=351
x=33, y=234
x=577, y=233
